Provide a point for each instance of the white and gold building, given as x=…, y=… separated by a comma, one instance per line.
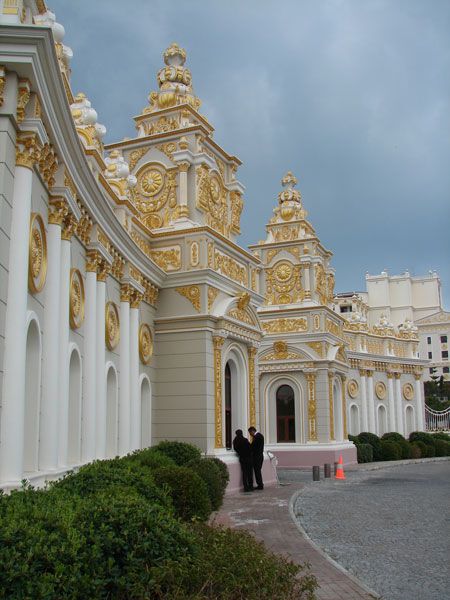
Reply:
x=129, y=313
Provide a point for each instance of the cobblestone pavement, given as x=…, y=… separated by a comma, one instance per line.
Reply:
x=267, y=514
x=389, y=527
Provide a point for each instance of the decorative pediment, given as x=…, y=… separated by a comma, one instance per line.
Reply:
x=243, y=315
x=281, y=351
x=439, y=317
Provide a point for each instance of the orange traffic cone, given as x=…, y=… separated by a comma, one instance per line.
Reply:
x=340, y=469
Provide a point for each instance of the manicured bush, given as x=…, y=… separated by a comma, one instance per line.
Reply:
x=422, y=447
x=105, y=474
x=364, y=453
x=431, y=451
x=441, y=435
x=180, y=452
x=233, y=565
x=224, y=474
x=187, y=490
x=390, y=450
x=393, y=436
x=211, y=475
x=151, y=458
x=353, y=438
x=442, y=447
x=415, y=450
x=422, y=436
x=370, y=438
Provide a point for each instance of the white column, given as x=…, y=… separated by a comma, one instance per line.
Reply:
x=64, y=298
x=392, y=420
x=124, y=371
x=89, y=361
x=399, y=404
x=183, y=168
x=13, y=393
x=100, y=419
x=134, y=373
x=419, y=403
x=371, y=403
x=307, y=280
x=364, y=410
x=48, y=423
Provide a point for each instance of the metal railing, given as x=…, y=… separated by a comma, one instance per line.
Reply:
x=437, y=420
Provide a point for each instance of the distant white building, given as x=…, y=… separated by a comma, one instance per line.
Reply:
x=405, y=301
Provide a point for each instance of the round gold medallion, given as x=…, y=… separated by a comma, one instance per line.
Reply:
x=352, y=388
x=145, y=343
x=151, y=182
x=112, y=325
x=76, y=300
x=380, y=390
x=283, y=271
x=37, y=254
x=408, y=391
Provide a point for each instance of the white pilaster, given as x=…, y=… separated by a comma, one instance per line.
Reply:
x=90, y=361
x=100, y=419
x=392, y=421
x=307, y=280
x=371, y=403
x=364, y=408
x=13, y=393
x=48, y=423
x=134, y=373
x=399, y=404
x=124, y=374
x=419, y=404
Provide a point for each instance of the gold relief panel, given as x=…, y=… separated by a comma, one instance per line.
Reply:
x=194, y=255
x=334, y=328
x=283, y=283
x=112, y=325
x=212, y=200
x=237, y=205
x=155, y=195
x=242, y=315
x=145, y=343
x=135, y=157
x=230, y=268
x=352, y=388
x=317, y=347
x=380, y=390
x=37, y=254
x=218, y=343
x=192, y=293
x=168, y=149
x=76, y=299
x=168, y=259
x=408, y=391
x=285, y=325
x=312, y=407
x=316, y=322
x=281, y=352
x=321, y=284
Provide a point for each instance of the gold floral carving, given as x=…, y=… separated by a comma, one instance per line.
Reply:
x=57, y=211
x=331, y=404
x=283, y=283
x=69, y=227
x=151, y=182
x=103, y=270
x=312, y=407
x=27, y=150
x=218, y=343
x=212, y=200
x=48, y=164
x=408, y=391
x=251, y=386
x=192, y=293
x=317, y=347
x=112, y=325
x=237, y=205
x=281, y=352
x=353, y=388
x=76, y=299
x=241, y=315
x=344, y=406
x=155, y=191
x=125, y=292
x=169, y=259
x=271, y=254
x=285, y=325
x=37, y=254
x=194, y=254
x=321, y=284
x=24, y=91
x=380, y=390
x=316, y=322
x=92, y=261
x=145, y=343
x=2, y=83
x=162, y=125
x=230, y=268
x=168, y=149
x=333, y=327
x=330, y=287
x=151, y=293
x=212, y=295
x=136, y=156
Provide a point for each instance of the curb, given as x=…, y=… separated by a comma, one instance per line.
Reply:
x=318, y=549
x=375, y=466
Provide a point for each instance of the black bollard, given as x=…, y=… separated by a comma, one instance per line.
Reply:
x=327, y=470
x=316, y=473
x=335, y=468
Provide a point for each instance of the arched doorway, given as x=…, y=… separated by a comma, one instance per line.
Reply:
x=228, y=428
x=111, y=413
x=382, y=420
x=285, y=400
x=32, y=398
x=74, y=416
x=409, y=420
x=146, y=413
x=354, y=420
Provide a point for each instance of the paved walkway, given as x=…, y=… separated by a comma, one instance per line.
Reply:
x=267, y=514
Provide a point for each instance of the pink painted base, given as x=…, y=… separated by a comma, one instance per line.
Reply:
x=234, y=468
x=309, y=457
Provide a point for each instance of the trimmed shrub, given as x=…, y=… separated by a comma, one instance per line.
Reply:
x=442, y=447
x=233, y=565
x=390, y=450
x=180, y=452
x=102, y=475
x=421, y=436
x=441, y=435
x=370, y=438
x=224, y=474
x=353, y=438
x=364, y=453
x=415, y=450
x=151, y=458
x=431, y=451
x=393, y=436
x=210, y=473
x=422, y=447
x=187, y=490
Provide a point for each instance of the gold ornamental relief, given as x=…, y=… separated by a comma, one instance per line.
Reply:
x=76, y=299
x=155, y=195
x=145, y=343
x=112, y=325
x=192, y=293
x=284, y=283
x=380, y=390
x=352, y=388
x=408, y=391
x=212, y=200
x=151, y=182
x=37, y=254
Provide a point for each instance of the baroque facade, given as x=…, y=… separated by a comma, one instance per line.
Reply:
x=129, y=313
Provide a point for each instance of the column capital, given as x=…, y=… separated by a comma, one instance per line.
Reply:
x=92, y=261
x=369, y=373
x=218, y=341
x=417, y=376
x=251, y=350
x=125, y=292
x=363, y=372
x=57, y=211
x=397, y=375
x=69, y=226
x=23, y=97
x=183, y=167
x=27, y=149
x=136, y=299
x=103, y=270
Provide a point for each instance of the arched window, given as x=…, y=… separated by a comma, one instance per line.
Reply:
x=409, y=420
x=111, y=413
x=146, y=413
x=32, y=398
x=227, y=406
x=354, y=420
x=74, y=416
x=285, y=414
x=382, y=420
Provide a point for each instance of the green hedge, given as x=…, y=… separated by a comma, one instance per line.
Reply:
x=390, y=450
x=180, y=452
x=364, y=453
x=210, y=473
x=151, y=458
x=223, y=469
x=416, y=452
x=370, y=438
x=442, y=447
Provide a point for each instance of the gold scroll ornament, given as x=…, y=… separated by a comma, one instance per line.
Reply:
x=37, y=254
x=76, y=299
x=112, y=325
x=312, y=407
x=251, y=386
x=218, y=343
x=145, y=343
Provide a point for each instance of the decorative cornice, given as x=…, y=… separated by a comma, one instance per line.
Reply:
x=192, y=293
x=27, y=149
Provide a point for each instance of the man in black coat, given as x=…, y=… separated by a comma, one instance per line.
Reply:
x=242, y=447
x=257, y=446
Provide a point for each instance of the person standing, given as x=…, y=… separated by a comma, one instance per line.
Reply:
x=257, y=447
x=243, y=449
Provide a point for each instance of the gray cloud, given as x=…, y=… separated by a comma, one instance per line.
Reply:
x=352, y=95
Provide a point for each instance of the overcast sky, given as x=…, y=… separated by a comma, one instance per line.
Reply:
x=353, y=96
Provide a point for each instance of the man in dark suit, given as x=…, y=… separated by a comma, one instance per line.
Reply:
x=242, y=447
x=257, y=446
